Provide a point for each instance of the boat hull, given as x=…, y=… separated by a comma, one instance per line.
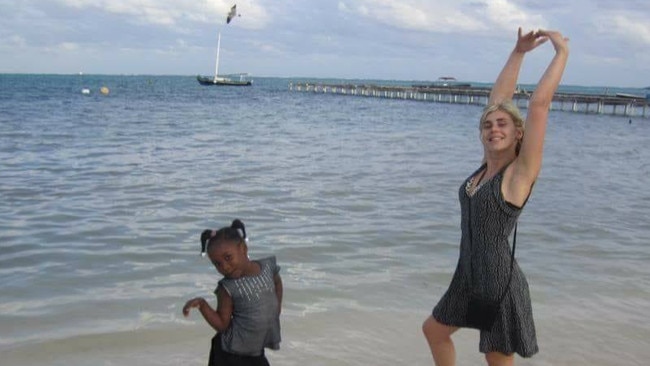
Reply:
x=204, y=80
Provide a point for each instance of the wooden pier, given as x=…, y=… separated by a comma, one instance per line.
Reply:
x=619, y=105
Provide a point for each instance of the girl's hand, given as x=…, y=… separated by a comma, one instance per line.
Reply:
x=560, y=43
x=194, y=303
x=529, y=41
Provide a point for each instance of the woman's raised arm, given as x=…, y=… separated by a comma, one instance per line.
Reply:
x=529, y=161
x=504, y=86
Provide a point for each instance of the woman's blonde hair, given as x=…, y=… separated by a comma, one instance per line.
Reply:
x=509, y=107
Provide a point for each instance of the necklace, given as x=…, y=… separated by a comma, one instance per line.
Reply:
x=478, y=184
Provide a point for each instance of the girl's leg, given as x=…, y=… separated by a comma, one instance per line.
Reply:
x=439, y=338
x=500, y=359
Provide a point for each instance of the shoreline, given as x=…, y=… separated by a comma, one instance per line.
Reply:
x=369, y=337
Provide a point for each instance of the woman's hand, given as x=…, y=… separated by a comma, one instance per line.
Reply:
x=560, y=43
x=529, y=41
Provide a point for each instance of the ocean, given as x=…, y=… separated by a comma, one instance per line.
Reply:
x=103, y=199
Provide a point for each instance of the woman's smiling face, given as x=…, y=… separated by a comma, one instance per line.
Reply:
x=498, y=131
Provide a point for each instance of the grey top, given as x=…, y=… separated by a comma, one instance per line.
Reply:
x=255, y=322
x=492, y=221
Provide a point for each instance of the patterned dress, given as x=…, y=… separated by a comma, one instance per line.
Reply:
x=255, y=322
x=492, y=221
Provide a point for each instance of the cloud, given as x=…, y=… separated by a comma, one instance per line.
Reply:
x=441, y=16
x=68, y=46
x=163, y=12
x=630, y=27
x=14, y=41
x=507, y=15
x=448, y=16
x=375, y=38
x=175, y=12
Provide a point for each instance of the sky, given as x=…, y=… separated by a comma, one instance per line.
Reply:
x=344, y=39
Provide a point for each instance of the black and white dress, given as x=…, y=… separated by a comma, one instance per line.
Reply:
x=492, y=221
x=255, y=322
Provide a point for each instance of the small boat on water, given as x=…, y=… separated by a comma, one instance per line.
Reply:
x=226, y=81
x=446, y=82
x=629, y=96
x=242, y=80
x=451, y=81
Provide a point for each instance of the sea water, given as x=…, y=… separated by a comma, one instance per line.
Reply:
x=103, y=199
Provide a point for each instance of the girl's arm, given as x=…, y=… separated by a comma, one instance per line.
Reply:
x=529, y=162
x=278, y=290
x=504, y=87
x=219, y=319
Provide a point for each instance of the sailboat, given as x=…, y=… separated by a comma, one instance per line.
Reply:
x=220, y=80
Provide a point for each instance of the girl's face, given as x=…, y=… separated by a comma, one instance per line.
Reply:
x=498, y=132
x=229, y=258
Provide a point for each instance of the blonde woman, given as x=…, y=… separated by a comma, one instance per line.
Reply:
x=491, y=200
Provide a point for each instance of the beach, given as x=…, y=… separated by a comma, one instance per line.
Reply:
x=104, y=198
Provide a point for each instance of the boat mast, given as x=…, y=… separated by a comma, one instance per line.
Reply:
x=216, y=66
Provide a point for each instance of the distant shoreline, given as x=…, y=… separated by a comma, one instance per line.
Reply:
x=310, y=78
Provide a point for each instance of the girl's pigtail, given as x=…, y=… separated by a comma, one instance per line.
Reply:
x=205, y=238
x=238, y=225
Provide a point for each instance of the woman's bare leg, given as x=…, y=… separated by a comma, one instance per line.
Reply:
x=439, y=338
x=500, y=359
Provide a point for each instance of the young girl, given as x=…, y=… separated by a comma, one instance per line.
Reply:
x=249, y=299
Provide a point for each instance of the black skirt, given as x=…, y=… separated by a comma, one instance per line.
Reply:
x=219, y=357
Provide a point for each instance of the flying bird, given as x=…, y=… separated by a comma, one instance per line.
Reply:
x=231, y=14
